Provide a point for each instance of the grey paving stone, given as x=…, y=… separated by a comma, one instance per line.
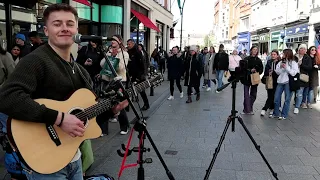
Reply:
x=294, y=151
x=310, y=161
x=261, y=167
x=187, y=162
x=296, y=176
x=251, y=175
x=247, y=157
x=296, y=169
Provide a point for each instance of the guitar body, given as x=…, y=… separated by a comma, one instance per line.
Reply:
x=34, y=144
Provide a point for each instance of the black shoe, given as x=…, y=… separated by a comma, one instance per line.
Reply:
x=145, y=107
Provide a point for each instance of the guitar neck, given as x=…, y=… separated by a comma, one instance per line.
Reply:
x=140, y=87
x=104, y=105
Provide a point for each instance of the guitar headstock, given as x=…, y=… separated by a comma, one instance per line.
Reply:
x=156, y=79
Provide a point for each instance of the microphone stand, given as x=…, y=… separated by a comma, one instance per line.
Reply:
x=140, y=126
x=231, y=120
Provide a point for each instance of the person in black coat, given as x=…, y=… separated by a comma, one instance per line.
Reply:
x=175, y=70
x=136, y=67
x=220, y=64
x=270, y=70
x=90, y=57
x=253, y=65
x=192, y=73
x=305, y=65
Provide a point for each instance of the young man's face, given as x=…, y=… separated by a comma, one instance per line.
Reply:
x=60, y=28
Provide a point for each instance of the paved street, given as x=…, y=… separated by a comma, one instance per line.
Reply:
x=192, y=131
x=291, y=146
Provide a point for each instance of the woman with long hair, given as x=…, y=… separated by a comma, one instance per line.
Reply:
x=120, y=60
x=16, y=53
x=254, y=65
x=145, y=56
x=314, y=78
x=286, y=68
x=270, y=72
x=305, y=65
x=192, y=68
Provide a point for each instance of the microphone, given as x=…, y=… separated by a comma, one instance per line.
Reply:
x=78, y=38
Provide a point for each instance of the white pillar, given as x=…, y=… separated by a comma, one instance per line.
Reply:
x=164, y=37
x=153, y=33
x=126, y=21
x=312, y=35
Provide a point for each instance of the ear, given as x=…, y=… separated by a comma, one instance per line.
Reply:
x=45, y=30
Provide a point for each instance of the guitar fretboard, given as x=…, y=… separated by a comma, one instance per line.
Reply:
x=106, y=104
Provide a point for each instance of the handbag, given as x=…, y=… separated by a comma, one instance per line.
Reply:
x=304, y=78
x=269, y=82
x=294, y=82
x=255, y=78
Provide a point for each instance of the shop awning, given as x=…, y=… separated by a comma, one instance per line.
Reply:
x=84, y=2
x=145, y=20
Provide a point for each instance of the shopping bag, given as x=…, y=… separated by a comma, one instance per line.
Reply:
x=255, y=78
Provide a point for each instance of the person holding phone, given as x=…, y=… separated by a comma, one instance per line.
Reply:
x=90, y=57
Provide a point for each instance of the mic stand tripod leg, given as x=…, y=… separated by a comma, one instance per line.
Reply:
x=169, y=174
x=141, y=169
x=256, y=146
x=217, y=150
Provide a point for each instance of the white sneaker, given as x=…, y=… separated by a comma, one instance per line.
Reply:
x=304, y=106
x=271, y=112
x=217, y=91
x=113, y=120
x=181, y=95
x=124, y=132
x=208, y=89
x=309, y=106
x=296, y=111
x=263, y=112
x=170, y=98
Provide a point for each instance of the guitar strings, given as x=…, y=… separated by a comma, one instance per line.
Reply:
x=104, y=104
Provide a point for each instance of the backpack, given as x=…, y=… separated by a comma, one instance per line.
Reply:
x=98, y=177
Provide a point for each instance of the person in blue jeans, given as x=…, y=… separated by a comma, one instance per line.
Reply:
x=221, y=64
x=305, y=65
x=287, y=67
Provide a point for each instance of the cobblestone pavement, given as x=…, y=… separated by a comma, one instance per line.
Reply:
x=292, y=146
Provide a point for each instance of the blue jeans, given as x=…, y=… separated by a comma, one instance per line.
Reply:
x=307, y=95
x=3, y=122
x=299, y=96
x=277, y=100
x=220, y=74
x=73, y=171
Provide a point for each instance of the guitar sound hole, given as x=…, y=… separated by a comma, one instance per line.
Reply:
x=83, y=119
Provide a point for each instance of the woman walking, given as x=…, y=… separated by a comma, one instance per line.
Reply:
x=175, y=69
x=286, y=68
x=254, y=65
x=192, y=73
x=270, y=71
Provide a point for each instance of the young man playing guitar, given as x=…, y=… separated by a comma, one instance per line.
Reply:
x=50, y=72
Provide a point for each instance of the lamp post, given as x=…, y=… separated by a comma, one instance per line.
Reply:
x=181, y=14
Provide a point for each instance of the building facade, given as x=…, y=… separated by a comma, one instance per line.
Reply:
x=150, y=25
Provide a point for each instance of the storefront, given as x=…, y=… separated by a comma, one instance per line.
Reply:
x=264, y=43
x=22, y=21
x=255, y=40
x=297, y=35
x=276, y=41
x=243, y=41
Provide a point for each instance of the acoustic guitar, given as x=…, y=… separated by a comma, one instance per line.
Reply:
x=48, y=149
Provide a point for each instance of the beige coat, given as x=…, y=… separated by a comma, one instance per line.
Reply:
x=208, y=67
x=7, y=66
x=121, y=71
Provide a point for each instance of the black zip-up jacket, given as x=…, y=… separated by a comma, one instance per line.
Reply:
x=221, y=61
x=136, y=64
x=250, y=63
